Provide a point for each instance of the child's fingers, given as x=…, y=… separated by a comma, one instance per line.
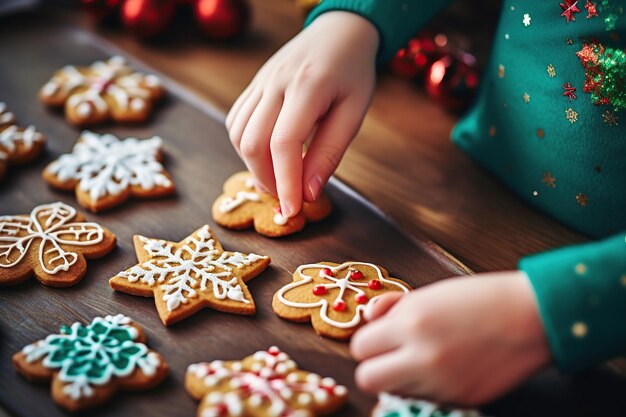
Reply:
x=241, y=120
x=294, y=124
x=380, y=305
x=232, y=113
x=255, y=141
x=375, y=339
x=386, y=372
x=330, y=142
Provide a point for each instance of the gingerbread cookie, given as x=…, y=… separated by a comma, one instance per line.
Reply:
x=332, y=296
x=266, y=384
x=88, y=364
x=52, y=242
x=105, y=171
x=242, y=207
x=187, y=276
x=394, y=406
x=17, y=145
x=105, y=90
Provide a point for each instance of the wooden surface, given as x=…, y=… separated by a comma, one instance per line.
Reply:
x=403, y=159
x=198, y=149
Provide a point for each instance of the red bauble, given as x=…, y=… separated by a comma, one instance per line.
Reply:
x=147, y=18
x=222, y=19
x=452, y=81
x=100, y=9
x=415, y=59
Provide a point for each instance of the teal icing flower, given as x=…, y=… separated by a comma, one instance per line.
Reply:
x=93, y=354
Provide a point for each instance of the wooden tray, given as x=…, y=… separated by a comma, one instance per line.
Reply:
x=200, y=158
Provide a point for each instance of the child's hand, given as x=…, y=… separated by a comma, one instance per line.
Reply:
x=463, y=341
x=319, y=83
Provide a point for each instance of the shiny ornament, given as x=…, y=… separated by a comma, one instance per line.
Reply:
x=222, y=19
x=453, y=81
x=416, y=57
x=147, y=18
x=100, y=9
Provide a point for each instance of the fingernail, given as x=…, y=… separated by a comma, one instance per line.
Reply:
x=286, y=210
x=315, y=186
x=369, y=310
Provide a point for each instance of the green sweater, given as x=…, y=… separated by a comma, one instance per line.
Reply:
x=561, y=149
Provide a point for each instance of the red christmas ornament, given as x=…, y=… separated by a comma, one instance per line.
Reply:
x=569, y=7
x=319, y=290
x=339, y=305
x=415, y=59
x=100, y=9
x=361, y=298
x=374, y=285
x=147, y=18
x=453, y=80
x=326, y=272
x=222, y=19
x=356, y=274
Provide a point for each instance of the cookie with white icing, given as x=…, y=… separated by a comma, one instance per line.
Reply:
x=18, y=145
x=104, y=171
x=265, y=384
x=52, y=243
x=241, y=206
x=187, y=276
x=89, y=363
x=105, y=90
x=333, y=296
x=394, y=406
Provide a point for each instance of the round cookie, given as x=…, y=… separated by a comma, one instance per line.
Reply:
x=104, y=171
x=265, y=384
x=333, y=296
x=105, y=90
x=88, y=364
x=52, y=242
x=242, y=207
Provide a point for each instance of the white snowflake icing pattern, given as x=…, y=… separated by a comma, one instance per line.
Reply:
x=106, y=165
x=17, y=234
x=11, y=134
x=273, y=382
x=394, y=406
x=198, y=261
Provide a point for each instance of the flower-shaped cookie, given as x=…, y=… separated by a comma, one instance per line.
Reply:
x=105, y=90
x=187, y=276
x=17, y=145
x=105, y=171
x=266, y=384
x=242, y=207
x=88, y=364
x=332, y=296
x=52, y=242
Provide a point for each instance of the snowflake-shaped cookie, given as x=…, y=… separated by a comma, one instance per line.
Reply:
x=105, y=170
x=242, y=207
x=17, y=145
x=332, y=296
x=105, y=90
x=266, y=384
x=394, y=406
x=52, y=242
x=88, y=364
x=184, y=277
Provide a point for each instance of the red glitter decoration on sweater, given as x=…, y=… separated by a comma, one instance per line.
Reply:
x=569, y=8
x=589, y=57
x=591, y=9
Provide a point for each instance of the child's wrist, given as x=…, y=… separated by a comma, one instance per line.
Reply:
x=357, y=27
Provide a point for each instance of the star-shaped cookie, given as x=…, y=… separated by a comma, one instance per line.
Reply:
x=242, y=207
x=184, y=277
x=332, y=296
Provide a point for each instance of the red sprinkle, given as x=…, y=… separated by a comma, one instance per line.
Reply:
x=326, y=272
x=274, y=351
x=221, y=409
x=319, y=290
x=356, y=274
x=339, y=305
x=374, y=285
x=361, y=298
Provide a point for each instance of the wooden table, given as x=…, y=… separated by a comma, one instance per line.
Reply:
x=441, y=194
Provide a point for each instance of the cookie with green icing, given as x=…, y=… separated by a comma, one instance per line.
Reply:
x=394, y=406
x=89, y=363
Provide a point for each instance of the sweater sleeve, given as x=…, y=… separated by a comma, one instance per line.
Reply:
x=581, y=292
x=396, y=20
